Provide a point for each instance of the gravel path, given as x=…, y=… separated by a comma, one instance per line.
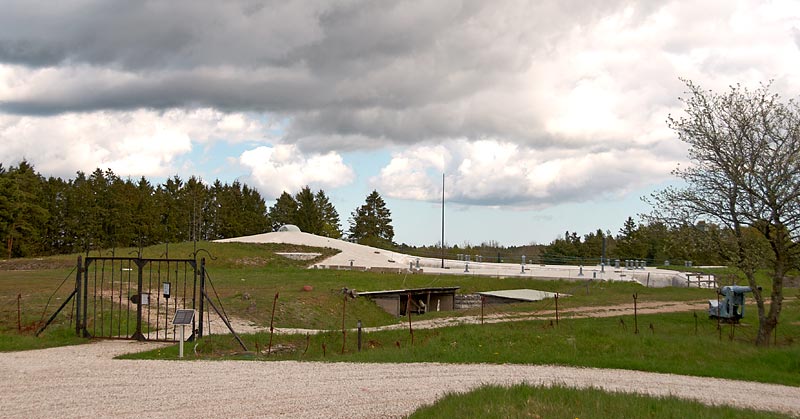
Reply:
x=84, y=381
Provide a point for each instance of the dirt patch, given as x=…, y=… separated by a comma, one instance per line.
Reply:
x=35, y=264
x=251, y=262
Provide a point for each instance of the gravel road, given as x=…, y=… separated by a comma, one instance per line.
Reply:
x=84, y=381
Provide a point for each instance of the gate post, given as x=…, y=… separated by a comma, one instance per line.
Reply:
x=85, y=331
x=202, y=296
x=78, y=296
x=194, y=336
x=138, y=334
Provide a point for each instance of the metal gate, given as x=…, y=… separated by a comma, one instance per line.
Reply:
x=135, y=298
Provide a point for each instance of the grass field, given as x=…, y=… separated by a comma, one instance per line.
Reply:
x=247, y=277
x=523, y=401
x=671, y=346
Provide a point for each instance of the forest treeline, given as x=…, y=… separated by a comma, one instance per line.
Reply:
x=43, y=216
x=653, y=242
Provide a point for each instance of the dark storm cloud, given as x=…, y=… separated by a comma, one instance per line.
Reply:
x=402, y=71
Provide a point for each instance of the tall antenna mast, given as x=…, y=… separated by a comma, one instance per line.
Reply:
x=442, y=220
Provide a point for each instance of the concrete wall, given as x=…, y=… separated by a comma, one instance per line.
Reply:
x=465, y=301
x=390, y=304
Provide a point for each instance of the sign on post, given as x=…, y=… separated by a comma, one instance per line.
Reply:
x=182, y=318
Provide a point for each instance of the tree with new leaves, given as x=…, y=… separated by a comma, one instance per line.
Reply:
x=744, y=147
x=371, y=223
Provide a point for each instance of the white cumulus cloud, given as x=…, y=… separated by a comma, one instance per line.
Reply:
x=284, y=167
x=495, y=173
x=135, y=143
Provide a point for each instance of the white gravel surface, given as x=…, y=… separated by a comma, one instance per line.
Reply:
x=84, y=381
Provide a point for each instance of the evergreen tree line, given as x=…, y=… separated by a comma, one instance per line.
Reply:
x=41, y=216
x=702, y=243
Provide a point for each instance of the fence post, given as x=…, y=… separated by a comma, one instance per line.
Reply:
x=359, y=335
x=201, y=296
x=19, y=313
x=139, y=279
x=78, y=296
x=344, y=313
x=483, y=304
x=556, y=309
x=271, y=323
x=408, y=313
x=84, y=331
x=635, y=315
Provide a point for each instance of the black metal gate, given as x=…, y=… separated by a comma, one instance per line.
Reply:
x=134, y=298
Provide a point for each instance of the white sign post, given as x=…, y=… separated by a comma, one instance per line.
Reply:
x=182, y=318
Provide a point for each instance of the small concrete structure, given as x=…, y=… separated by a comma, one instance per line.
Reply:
x=517, y=296
x=422, y=299
x=289, y=228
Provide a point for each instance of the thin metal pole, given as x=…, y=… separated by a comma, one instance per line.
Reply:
x=19, y=313
x=271, y=324
x=53, y=317
x=442, y=220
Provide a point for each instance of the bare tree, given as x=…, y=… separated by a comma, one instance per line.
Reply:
x=744, y=148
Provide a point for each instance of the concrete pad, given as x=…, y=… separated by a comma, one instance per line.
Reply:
x=522, y=295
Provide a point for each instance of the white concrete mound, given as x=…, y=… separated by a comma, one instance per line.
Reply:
x=360, y=257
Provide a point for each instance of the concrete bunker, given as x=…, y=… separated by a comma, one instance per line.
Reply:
x=396, y=302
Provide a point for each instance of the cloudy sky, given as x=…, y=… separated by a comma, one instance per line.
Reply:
x=544, y=116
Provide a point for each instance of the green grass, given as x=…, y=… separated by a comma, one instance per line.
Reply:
x=58, y=336
x=670, y=346
x=523, y=401
x=247, y=277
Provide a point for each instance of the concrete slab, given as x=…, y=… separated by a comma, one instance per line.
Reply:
x=522, y=294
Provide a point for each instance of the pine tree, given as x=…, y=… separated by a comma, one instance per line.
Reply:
x=308, y=216
x=283, y=212
x=330, y=217
x=25, y=216
x=253, y=211
x=371, y=223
